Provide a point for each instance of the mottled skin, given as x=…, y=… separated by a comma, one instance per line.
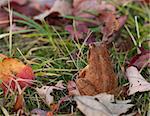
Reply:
x=98, y=76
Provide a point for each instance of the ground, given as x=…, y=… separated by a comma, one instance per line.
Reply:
x=50, y=51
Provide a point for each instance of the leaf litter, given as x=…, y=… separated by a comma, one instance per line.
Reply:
x=95, y=86
x=101, y=105
x=45, y=92
x=12, y=69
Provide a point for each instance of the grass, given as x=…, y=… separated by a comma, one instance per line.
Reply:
x=49, y=52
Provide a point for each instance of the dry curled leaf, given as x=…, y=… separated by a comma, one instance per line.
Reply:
x=62, y=7
x=4, y=19
x=72, y=88
x=19, y=102
x=141, y=60
x=101, y=105
x=136, y=80
x=45, y=92
x=112, y=25
x=38, y=112
x=29, y=8
x=13, y=69
x=82, y=7
x=98, y=76
x=123, y=44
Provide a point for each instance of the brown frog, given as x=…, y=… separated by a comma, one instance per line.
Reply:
x=98, y=76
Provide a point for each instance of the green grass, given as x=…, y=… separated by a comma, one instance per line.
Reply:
x=48, y=50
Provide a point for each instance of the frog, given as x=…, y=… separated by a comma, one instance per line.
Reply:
x=98, y=76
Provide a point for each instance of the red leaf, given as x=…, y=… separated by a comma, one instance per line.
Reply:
x=25, y=9
x=141, y=60
x=82, y=6
x=13, y=69
x=4, y=19
x=72, y=88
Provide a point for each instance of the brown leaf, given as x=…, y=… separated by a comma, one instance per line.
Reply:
x=21, y=2
x=142, y=59
x=54, y=107
x=22, y=6
x=25, y=9
x=112, y=25
x=98, y=76
x=19, y=102
x=82, y=7
x=4, y=18
x=50, y=113
x=77, y=33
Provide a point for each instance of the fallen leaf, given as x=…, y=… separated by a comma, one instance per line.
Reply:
x=42, y=5
x=115, y=32
x=38, y=112
x=14, y=69
x=72, y=88
x=2, y=56
x=4, y=18
x=141, y=60
x=98, y=13
x=101, y=105
x=50, y=114
x=25, y=9
x=62, y=7
x=112, y=26
x=22, y=6
x=45, y=92
x=98, y=76
x=123, y=44
x=14, y=27
x=145, y=1
x=136, y=81
x=29, y=8
x=60, y=84
x=82, y=7
x=109, y=101
x=79, y=33
x=54, y=107
x=20, y=2
x=2, y=2
x=19, y=102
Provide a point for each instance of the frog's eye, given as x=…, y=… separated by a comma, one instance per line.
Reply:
x=92, y=45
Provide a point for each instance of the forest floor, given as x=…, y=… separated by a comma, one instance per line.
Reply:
x=57, y=48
